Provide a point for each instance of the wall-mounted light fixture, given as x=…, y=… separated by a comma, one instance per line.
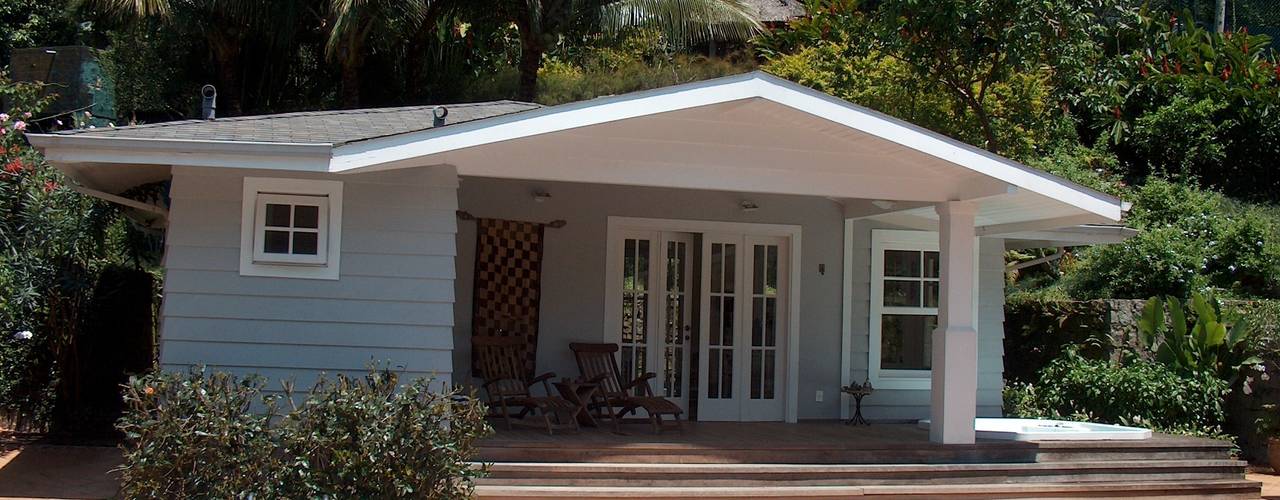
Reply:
x=749, y=206
x=541, y=196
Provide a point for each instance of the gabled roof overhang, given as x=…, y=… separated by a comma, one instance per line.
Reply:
x=547, y=144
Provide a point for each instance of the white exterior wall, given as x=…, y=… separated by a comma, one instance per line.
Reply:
x=393, y=301
x=573, y=282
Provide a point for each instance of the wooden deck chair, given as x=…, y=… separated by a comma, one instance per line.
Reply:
x=620, y=395
x=501, y=366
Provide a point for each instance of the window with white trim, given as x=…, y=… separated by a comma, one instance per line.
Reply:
x=906, y=287
x=290, y=228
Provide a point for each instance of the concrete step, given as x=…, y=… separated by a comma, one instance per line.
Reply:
x=1233, y=489
x=706, y=475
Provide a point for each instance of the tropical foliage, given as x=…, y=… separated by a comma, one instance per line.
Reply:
x=1205, y=343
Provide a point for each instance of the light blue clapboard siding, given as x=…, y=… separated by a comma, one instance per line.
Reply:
x=392, y=304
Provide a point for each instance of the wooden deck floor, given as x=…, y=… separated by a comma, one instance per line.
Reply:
x=807, y=442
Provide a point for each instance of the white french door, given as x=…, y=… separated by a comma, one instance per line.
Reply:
x=741, y=368
x=656, y=281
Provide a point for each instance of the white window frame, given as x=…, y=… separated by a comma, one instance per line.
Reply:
x=891, y=239
x=258, y=191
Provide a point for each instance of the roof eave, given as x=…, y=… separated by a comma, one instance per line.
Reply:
x=68, y=149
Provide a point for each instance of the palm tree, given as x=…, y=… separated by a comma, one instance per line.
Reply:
x=358, y=24
x=541, y=22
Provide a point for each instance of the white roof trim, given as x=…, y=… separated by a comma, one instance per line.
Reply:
x=366, y=154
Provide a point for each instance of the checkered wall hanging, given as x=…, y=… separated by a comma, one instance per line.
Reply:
x=508, y=282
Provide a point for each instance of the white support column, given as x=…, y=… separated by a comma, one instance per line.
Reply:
x=955, y=341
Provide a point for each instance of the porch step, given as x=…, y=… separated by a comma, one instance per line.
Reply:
x=795, y=475
x=895, y=453
x=1233, y=489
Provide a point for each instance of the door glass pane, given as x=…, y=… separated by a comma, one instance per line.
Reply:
x=770, y=321
x=905, y=341
x=899, y=293
x=757, y=321
x=642, y=265
x=757, y=372
x=682, y=253
x=627, y=318
x=902, y=263
x=714, y=339
x=726, y=373
x=770, y=363
x=627, y=354
x=640, y=326
x=757, y=270
x=726, y=337
x=713, y=373
x=717, y=267
x=771, y=274
x=730, y=268
x=629, y=265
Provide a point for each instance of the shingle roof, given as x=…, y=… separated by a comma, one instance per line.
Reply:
x=769, y=11
x=312, y=127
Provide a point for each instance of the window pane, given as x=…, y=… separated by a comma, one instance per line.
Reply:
x=771, y=275
x=277, y=215
x=931, y=294
x=932, y=264
x=757, y=321
x=306, y=243
x=306, y=216
x=275, y=241
x=902, y=263
x=901, y=293
x=905, y=341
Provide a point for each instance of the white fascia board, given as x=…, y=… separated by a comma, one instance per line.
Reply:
x=231, y=154
x=366, y=154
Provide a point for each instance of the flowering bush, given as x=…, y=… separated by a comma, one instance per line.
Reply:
x=220, y=436
x=53, y=244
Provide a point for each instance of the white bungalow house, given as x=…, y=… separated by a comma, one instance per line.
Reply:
x=757, y=243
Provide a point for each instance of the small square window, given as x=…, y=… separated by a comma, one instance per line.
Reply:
x=291, y=229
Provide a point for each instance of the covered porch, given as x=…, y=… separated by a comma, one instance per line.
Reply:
x=748, y=164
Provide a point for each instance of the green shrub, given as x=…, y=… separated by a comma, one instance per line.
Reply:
x=1189, y=239
x=221, y=436
x=1134, y=392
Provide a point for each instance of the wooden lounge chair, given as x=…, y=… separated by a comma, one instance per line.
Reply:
x=501, y=366
x=621, y=395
